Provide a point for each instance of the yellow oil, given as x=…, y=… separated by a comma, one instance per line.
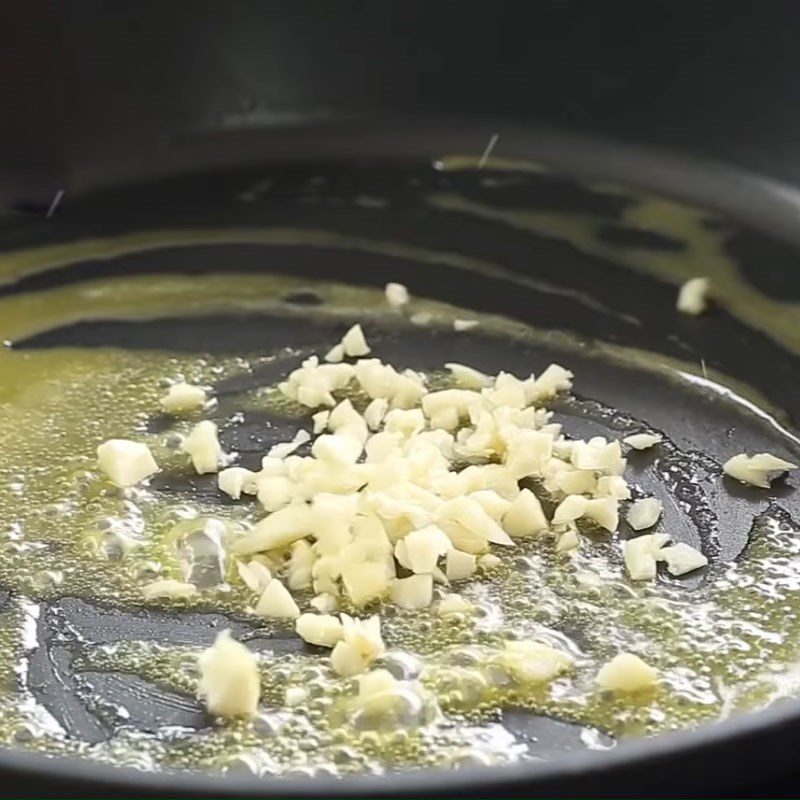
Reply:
x=724, y=647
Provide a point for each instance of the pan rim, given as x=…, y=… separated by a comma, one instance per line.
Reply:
x=766, y=204
x=584, y=765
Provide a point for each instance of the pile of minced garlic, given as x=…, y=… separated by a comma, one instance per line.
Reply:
x=415, y=490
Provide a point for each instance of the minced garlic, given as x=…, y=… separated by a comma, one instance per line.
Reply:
x=396, y=295
x=627, y=673
x=125, y=462
x=183, y=397
x=758, y=470
x=692, y=296
x=203, y=447
x=229, y=681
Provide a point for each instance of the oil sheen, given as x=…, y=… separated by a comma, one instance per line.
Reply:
x=75, y=553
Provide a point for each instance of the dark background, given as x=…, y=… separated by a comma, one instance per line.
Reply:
x=96, y=92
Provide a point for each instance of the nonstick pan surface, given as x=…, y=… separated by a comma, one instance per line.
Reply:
x=597, y=258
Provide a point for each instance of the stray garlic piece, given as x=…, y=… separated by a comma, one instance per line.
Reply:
x=354, y=343
x=203, y=447
x=627, y=673
x=465, y=324
x=692, y=296
x=183, y=397
x=758, y=470
x=643, y=441
x=125, y=462
x=396, y=295
x=229, y=680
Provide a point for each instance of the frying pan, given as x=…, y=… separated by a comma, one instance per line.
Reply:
x=416, y=205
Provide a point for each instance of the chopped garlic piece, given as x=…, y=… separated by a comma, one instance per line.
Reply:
x=489, y=561
x=758, y=470
x=534, y=662
x=574, y=481
x=375, y=412
x=692, y=296
x=168, y=588
x=414, y=592
x=324, y=603
x=467, y=512
x=313, y=383
x=337, y=449
x=354, y=343
x=277, y=530
x=598, y=454
x=284, y=449
x=553, y=380
x=492, y=503
x=567, y=541
x=612, y=486
x=256, y=576
x=603, y=511
x=524, y=516
x=125, y=462
x=274, y=492
x=465, y=324
x=641, y=555
x=569, y=509
x=396, y=295
x=229, y=680
x=276, y=602
x=642, y=441
x=644, y=513
x=335, y=354
x=459, y=566
x=323, y=630
x=182, y=397
x=361, y=645
x=402, y=390
x=627, y=673
x=320, y=421
x=422, y=548
x=454, y=604
x=467, y=377
x=235, y=480
x=301, y=563
x=203, y=447
x=376, y=682
x=365, y=581
x=682, y=558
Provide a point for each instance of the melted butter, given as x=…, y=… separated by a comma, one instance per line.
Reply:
x=66, y=532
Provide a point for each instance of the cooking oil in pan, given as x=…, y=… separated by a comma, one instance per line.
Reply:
x=89, y=668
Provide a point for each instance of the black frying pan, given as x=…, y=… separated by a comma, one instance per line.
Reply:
x=395, y=192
